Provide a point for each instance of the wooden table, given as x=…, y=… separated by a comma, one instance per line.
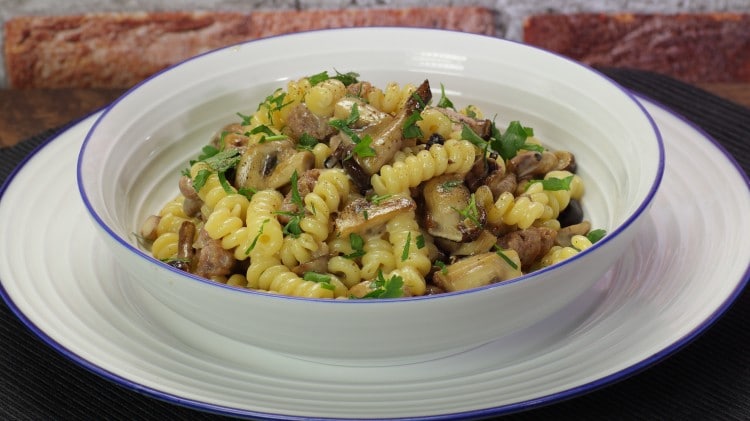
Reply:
x=24, y=113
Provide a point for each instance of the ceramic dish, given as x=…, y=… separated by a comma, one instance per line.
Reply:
x=681, y=273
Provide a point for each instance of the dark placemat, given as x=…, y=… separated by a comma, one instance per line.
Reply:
x=707, y=379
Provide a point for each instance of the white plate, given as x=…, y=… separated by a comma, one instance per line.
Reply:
x=682, y=272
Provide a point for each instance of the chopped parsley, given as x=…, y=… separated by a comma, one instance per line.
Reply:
x=471, y=212
x=553, y=183
x=505, y=257
x=376, y=199
x=405, y=252
x=257, y=236
x=596, y=235
x=295, y=218
x=219, y=162
x=321, y=278
x=442, y=266
x=508, y=143
x=450, y=184
x=386, y=288
x=274, y=102
x=307, y=142
x=420, y=241
x=362, y=146
x=347, y=78
x=358, y=246
x=410, y=128
x=444, y=101
x=268, y=134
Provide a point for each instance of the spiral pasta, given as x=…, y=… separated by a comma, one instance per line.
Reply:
x=456, y=156
x=332, y=186
x=378, y=257
x=403, y=233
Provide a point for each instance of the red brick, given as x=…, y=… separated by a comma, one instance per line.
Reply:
x=702, y=47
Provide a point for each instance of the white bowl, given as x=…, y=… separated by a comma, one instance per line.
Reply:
x=133, y=155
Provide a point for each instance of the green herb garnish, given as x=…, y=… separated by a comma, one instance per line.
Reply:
x=376, y=199
x=410, y=128
x=257, y=236
x=553, y=183
x=500, y=252
x=471, y=212
x=295, y=218
x=362, y=146
x=358, y=246
x=405, y=252
x=596, y=235
x=444, y=101
x=386, y=288
x=307, y=142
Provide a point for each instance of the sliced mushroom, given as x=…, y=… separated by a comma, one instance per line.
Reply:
x=270, y=165
x=149, y=228
x=478, y=270
x=301, y=120
x=445, y=199
x=499, y=183
x=368, y=115
x=482, y=244
x=387, y=137
x=185, y=251
x=231, y=136
x=361, y=215
x=530, y=244
x=480, y=171
x=566, y=161
x=212, y=258
x=565, y=234
x=529, y=164
x=483, y=128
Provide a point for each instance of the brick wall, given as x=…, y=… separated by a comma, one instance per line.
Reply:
x=44, y=46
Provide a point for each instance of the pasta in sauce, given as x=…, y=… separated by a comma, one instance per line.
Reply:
x=336, y=188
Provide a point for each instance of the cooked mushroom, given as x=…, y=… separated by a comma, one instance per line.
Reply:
x=499, y=183
x=361, y=215
x=368, y=115
x=566, y=161
x=149, y=228
x=387, y=136
x=305, y=185
x=480, y=171
x=530, y=244
x=448, y=209
x=185, y=251
x=478, y=270
x=270, y=165
x=482, y=244
x=231, y=136
x=483, y=128
x=528, y=164
x=301, y=120
x=565, y=234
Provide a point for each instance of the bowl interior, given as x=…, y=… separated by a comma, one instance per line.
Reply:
x=132, y=158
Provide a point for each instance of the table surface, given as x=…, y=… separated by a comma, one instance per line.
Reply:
x=24, y=113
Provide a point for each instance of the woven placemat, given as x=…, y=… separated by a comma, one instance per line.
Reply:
x=707, y=379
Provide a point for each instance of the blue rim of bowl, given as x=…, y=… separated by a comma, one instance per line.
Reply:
x=125, y=243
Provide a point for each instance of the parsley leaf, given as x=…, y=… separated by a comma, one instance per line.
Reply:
x=358, y=246
x=321, y=278
x=318, y=77
x=245, y=119
x=376, y=199
x=362, y=146
x=596, y=235
x=405, y=252
x=410, y=128
x=386, y=288
x=444, y=101
x=292, y=227
x=257, y=236
x=306, y=142
x=347, y=78
x=553, y=183
x=512, y=140
x=471, y=212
